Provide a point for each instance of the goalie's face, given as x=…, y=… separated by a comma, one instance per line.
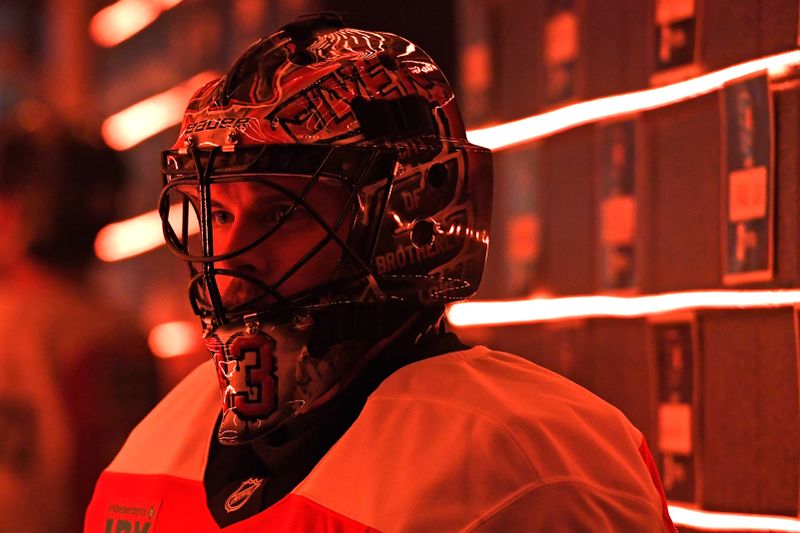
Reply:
x=241, y=213
x=277, y=233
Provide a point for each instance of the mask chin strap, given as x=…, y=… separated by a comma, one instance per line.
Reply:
x=209, y=271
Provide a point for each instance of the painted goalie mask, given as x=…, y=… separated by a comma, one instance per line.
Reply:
x=328, y=154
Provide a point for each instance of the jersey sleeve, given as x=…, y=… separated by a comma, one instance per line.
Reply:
x=567, y=505
x=644, y=451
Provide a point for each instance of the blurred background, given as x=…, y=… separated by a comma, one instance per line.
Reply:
x=657, y=165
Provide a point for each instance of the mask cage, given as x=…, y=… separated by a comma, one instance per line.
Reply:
x=199, y=169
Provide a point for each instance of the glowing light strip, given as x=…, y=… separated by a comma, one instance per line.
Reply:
x=137, y=235
x=124, y=19
x=174, y=339
x=538, y=126
x=132, y=125
x=711, y=521
x=487, y=313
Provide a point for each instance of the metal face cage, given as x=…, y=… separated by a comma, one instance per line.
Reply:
x=295, y=174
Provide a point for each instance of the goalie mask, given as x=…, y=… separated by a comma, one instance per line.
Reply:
x=324, y=177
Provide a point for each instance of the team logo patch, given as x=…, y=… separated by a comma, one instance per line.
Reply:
x=132, y=517
x=240, y=496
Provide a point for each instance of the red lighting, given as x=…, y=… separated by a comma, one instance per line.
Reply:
x=174, y=339
x=496, y=313
x=124, y=19
x=135, y=236
x=538, y=126
x=132, y=125
x=711, y=521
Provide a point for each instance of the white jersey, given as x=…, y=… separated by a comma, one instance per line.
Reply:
x=468, y=441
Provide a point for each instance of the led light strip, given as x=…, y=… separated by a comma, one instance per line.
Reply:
x=127, y=128
x=494, y=313
x=173, y=339
x=538, y=126
x=712, y=521
x=125, y=18
x=137, y=235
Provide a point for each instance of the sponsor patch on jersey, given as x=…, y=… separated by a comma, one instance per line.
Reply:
x=132, y=517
